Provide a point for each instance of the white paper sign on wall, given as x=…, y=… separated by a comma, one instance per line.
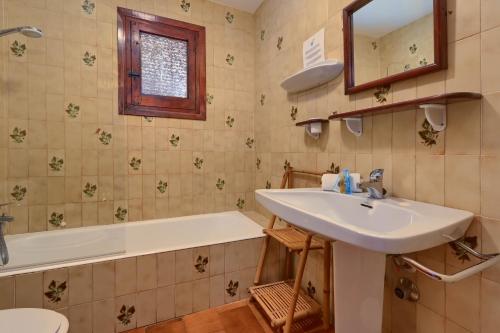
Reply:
x=314, y=49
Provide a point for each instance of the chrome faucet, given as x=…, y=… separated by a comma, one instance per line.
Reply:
x=375, y=186
x=4, y=252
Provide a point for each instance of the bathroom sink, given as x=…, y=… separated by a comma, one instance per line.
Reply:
x=388, y=225
x=27, y=320
x=365, y=231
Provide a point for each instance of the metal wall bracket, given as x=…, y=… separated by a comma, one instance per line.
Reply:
x=354, y=125
x=436, y=115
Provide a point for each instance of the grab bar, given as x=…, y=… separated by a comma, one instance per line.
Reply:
x=412, y=265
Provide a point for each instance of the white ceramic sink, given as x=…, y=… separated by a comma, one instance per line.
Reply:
x=389, y=226
x=364, y=231
x=28, y=320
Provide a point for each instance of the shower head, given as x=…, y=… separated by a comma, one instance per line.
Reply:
x=32, y=32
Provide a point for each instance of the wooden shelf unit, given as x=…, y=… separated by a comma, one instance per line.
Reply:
x=443, y=99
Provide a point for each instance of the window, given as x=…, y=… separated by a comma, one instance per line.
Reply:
x=161, y=65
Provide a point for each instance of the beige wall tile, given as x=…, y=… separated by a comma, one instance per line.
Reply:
x=103, y=316
x=126, y=276
x=429, y=321
x=103, y=280
x=490, y=305
x=183, y=298
x=489, y=186
x=166, y=268
x=201, y=294
x=490, y=80
x=80, y=318
x=464, y=18
x=7, y=295
x=183, y=265
x=165, y=303
x=146, y=272
x=489, y=14
x=29, y=289
x=462, y=301
x=80, y=284
x=462, y=182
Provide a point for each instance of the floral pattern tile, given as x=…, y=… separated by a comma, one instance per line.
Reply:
x=55, y=291
x=423, y=62
x=18, y=192
x=258, y=163
x=232, y=288
x=104, y=137
x=56, y=163
x=185, y=5
x=240, y=203
x=220, y=184
x=381, y=94
x=174, y=140
x=72, y=110
x=18, y=135
x=57, y=219
x=279, y=43
x=201, y=264
x=413, y=48
x=262, y=34
x=230, y=59
x=293, y=112
x=229, y=17
x=135, y=163
x=18, y=49
x=262, y=99
x=250, y=142
x=89, y=190
x=428, y=134
x=89, y=59
x=460, y=253
x=286, y=165
x=268, y=184
x=162, y=186
x=121, y=214
x=334, y=168
x=210, y=99
x=230, y=121
x=88, y=7
x=311, y=290
x=126, y=314
x=198, y=162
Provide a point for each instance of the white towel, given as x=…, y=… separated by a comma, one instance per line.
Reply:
x=329, y=181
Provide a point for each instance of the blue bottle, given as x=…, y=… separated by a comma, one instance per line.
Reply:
x=347, y=180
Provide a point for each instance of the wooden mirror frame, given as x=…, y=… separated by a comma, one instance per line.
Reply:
x=440, y=49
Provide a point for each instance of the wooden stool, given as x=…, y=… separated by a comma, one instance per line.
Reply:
x=283, y=304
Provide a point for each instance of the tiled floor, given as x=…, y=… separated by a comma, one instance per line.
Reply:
x=231, y=318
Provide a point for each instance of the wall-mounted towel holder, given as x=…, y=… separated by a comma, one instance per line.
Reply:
x=412, y=265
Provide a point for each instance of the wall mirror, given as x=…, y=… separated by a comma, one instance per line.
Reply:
x=391, y=40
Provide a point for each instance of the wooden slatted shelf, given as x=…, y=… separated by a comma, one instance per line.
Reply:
x=409, y=105
x=274, y=299
x=294, y=239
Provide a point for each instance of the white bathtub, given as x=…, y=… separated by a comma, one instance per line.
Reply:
x=62, y=248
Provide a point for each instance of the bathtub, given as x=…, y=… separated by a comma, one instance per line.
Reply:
x=48, y=250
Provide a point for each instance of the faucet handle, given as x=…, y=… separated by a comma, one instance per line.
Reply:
x=377, y=175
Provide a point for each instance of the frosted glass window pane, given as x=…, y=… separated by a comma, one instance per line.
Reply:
x=164, y=66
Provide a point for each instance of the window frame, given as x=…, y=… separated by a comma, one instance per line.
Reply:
x=130, y=98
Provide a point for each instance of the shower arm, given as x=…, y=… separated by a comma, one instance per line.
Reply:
x=5, y=32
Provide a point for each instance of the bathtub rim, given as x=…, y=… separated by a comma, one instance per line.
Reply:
x=124, y=255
